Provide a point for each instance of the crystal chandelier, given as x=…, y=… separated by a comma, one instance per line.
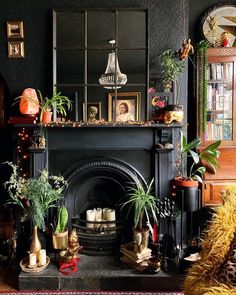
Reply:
x=113, y=78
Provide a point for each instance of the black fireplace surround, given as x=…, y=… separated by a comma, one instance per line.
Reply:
x=102, y=162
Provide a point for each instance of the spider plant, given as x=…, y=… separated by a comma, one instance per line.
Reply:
x=144, y=204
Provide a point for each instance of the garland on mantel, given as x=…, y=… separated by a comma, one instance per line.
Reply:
x=203, y=67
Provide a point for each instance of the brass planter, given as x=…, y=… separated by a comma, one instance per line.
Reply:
x=60, y=240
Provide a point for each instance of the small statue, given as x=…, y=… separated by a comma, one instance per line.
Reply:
x=186, y=49
x=74, y=246
x=92, y=113
x=225, y=39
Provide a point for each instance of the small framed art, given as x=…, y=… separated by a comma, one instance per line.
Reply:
x=15, y=30
x=16, y=49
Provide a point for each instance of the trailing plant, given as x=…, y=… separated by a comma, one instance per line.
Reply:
x=145, y=206
x=172, y=68
x=34, y=195
x=203, y=66
x=62, y=220
x=207, y=158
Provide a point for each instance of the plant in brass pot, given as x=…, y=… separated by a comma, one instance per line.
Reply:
x=202, y=161
x=60, y=234
x=145, y=209
x=173, y=66
x=34, y=196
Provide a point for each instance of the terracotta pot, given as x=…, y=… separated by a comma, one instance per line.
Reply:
x=187, y=194
x=46, y=117
x=60, y=240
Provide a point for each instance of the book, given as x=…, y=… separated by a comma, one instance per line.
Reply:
x=142, y=266
x=128, y=250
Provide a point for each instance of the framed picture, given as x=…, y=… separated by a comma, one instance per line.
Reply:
x=94, y=111
x=15, y=29
x=216, y=21
x=16, y=49
x=126, y=107
x=158, y=100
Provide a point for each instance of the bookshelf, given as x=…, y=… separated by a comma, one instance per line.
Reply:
x=220, y=120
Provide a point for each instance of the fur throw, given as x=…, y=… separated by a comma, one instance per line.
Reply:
x=201, y=278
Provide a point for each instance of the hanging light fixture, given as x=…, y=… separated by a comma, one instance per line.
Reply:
x=113, y=78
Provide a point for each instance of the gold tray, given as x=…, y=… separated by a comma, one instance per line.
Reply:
x=24, y=265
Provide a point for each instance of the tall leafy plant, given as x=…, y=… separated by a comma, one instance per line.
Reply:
x=172, y=68
x=200, y=160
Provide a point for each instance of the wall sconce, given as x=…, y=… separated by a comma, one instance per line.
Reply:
x=113, y=78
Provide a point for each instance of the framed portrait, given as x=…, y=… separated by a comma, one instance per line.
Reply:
x=94, y=111
x=16, y=49
x=15, y=29
x=217, y=20
x=126, y=107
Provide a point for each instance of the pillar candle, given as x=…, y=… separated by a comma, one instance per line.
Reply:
x=90, y=216
x=42, y=257
x=111, y=216
x=98, y=217
x=32, y=259
x=104, y=213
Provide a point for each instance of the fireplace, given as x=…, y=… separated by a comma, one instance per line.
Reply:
x=100, y=163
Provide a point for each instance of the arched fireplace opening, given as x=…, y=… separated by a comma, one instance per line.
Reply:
x=100, y=183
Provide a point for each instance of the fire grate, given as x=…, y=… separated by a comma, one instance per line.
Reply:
x=103, y=238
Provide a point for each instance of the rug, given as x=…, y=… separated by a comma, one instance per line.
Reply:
x=90, y=293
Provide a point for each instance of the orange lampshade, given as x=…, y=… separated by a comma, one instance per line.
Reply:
x=29, y=103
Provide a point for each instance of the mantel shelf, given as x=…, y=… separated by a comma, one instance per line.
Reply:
x=103, y=125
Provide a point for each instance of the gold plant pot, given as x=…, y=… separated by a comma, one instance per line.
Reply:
x=60, y=240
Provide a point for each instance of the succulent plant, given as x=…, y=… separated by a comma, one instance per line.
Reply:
x=62, y=220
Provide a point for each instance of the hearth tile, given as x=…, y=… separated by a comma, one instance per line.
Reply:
x=80, y=283
x=45, y=280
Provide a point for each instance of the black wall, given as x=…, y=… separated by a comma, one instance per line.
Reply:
x=168, y=26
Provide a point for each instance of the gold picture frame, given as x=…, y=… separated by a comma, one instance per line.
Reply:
x=98, y=115
x=16, y=49
x=125, y=107
x=15, y=30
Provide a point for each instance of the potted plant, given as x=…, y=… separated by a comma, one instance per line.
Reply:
x=34, y=196
x=187, y=181
x=60, y=102
x=173, y=66
x=60, y=234
x=145, y=210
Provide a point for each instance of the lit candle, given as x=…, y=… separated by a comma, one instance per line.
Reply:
x=42, y=257
x=32, y=259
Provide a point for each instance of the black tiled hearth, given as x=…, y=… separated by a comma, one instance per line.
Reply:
x=99, y=273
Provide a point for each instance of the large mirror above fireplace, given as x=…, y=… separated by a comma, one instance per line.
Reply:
x=81, y=46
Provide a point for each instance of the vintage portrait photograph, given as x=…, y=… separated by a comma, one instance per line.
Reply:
x=15, y=29
x=16, y=49
x=93, y=111
x=125, y=107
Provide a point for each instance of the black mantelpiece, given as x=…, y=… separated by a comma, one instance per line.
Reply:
x=134, y=144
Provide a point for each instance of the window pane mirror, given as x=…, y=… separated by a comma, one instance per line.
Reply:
x=99, y=52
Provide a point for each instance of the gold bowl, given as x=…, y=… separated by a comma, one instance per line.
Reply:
x=65, y=256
